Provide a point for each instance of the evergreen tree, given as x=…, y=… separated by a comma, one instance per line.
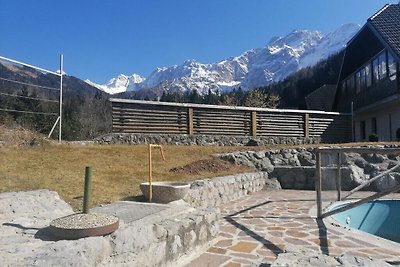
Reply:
x=194, y=97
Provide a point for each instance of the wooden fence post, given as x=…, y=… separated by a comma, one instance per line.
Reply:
x=190, y=121
x=254, y=123
x=306, y=125
x=339, y=178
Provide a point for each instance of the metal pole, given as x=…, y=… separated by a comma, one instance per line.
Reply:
x=54, y=126
x=339, y=178
x=367, y=182
x=352, y=122
x=362, y=201
x=318, y=183
x=86, y=194
x=150, y=178
x=61, y=95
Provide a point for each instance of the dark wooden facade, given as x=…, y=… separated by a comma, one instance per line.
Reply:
x=361, y=54
x=369, y=81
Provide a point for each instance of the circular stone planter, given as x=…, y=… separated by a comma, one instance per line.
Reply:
x=165, y=192
x=81, y=225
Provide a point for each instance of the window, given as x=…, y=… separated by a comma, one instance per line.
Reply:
x=374, y=126
x=382, y=65
x=362, y=79
x=362, y=130
x=368, y=75
x=375, y=67
x=350, y=84
x=379, y=67
x=358, y=82
x=392, y=67
x=372, y=72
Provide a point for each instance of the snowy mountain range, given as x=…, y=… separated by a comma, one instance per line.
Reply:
x=258, y=67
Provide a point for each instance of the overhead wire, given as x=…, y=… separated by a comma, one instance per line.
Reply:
x=28, y=112
x=29, y=66
x=42, y=123
x=29, y=84
x=28, y=97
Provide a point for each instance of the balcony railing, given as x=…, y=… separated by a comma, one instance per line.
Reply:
x=376, y=92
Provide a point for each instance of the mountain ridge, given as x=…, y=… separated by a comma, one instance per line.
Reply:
x=254, y=68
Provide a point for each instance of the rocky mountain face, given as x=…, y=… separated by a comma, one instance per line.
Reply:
x=258, y=67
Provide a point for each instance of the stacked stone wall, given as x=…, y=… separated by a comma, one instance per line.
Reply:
x=295, y=168
x=216, y=191
x=200, y=140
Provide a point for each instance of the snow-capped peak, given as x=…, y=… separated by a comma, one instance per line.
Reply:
x=330, y=44
x=297, y=39
x=119, y=84
x=258, y=67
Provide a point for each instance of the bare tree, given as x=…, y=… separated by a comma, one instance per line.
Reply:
x=256, y=98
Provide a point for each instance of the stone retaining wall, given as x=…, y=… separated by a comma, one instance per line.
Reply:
x=161, y=239
x=158, y=239
x=200, y=140
x=303, y=178
x=216, y=191
x=295, y=168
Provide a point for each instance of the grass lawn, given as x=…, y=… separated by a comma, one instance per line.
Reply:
x=117, y=170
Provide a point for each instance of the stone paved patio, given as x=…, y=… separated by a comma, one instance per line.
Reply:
x=256, y=228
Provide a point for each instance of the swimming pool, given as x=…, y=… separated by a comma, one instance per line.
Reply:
x=379, y=217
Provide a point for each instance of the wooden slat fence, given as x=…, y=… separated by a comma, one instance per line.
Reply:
x=150, y=117
x=230, y=122
x=280, y=124
x=141, y=118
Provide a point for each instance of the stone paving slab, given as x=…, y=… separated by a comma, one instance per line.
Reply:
x=131, y=211
x=256, y=229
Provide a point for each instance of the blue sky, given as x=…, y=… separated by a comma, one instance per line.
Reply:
x=101, y=39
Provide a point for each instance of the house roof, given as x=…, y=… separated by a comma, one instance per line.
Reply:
x=387, y=23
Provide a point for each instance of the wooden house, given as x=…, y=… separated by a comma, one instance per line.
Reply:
x=369, y=78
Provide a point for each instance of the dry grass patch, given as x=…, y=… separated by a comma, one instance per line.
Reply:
x=117, y=170
x=18, y=136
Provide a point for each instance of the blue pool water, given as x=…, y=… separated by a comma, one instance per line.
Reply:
x=379, y=217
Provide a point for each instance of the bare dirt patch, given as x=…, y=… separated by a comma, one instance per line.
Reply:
x=213, y=165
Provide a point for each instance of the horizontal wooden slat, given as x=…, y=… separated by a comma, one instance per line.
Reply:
x=148, y=114
x=280, y=135
x=221, y=129
x=283, y=127
x=150, y=111
x=220, y=121
x=300, y=118
x=146, y=131
x=283, y=132
x=221, y=117
x=150, y=120
x=149, y=127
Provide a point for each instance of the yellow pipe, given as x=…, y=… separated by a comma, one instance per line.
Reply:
x=150, y=178
x=151, y=168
